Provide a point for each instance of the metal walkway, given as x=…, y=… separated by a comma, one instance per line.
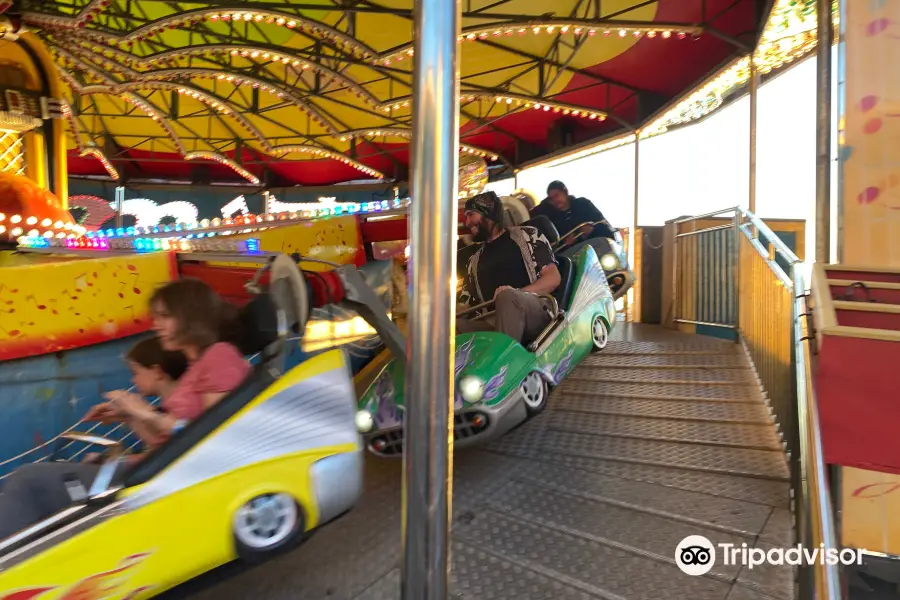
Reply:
x=661, y=436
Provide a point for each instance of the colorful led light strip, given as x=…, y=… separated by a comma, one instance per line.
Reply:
x=250, y=221
x=247, y=246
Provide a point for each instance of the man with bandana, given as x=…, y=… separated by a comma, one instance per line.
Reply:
x=513, y=267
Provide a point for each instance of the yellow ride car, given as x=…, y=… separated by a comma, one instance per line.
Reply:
x=252, y=476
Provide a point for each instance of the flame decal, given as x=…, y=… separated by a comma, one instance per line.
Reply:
x=492, y=388
x=107, y=585
x=387, y=413
x=462, y=356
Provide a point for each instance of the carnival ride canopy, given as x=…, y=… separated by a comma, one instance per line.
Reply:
x=315, y=92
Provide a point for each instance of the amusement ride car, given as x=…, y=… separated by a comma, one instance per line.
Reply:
x=499, y=382
x=613, y=257
x=255, y=474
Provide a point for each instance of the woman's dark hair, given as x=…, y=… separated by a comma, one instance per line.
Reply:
x=149, y=353
x=203, y=317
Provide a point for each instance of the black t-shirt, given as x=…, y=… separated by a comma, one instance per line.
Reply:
x=515, y=258
x=581, y=211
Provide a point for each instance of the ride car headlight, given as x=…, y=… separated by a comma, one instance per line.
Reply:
x=471, y=389
x=609, y=262
x=364, y=421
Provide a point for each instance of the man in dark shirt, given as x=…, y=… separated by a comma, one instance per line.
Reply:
x=512, y=267
x=568, y=212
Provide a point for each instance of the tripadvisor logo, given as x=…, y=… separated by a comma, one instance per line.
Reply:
x=696, y=555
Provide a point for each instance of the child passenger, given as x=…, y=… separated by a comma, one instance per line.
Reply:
x=188, y=317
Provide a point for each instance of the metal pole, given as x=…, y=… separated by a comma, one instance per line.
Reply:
x=632, y=251
x=842, y=111
x=754, y=90
x=825, y=33
x=120, y=200
x=428, y=455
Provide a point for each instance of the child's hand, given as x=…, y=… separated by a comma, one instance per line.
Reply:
x=126, y=403
x=93, y=458
x=105, y=413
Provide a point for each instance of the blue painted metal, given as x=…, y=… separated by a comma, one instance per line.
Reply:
x=44, y=395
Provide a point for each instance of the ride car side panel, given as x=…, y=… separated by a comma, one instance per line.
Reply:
x=175, y=538
x=179, y=523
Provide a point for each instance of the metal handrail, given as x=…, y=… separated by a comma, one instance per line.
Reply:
x=795, y=409
x=776, y=241
x=707, y=215
x=816, y=495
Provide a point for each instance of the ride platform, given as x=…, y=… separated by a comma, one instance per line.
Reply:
x=660, y=436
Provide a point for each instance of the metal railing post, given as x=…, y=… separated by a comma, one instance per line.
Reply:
x=428, y=458
x=754, y=95
x=736, y=257
x=825, y=33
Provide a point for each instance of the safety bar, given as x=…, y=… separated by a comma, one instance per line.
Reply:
x=559, y=243
x=489, y=302
x=474, y=308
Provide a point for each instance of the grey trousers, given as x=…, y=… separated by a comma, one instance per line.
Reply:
x=518, y=314
x=37, y=491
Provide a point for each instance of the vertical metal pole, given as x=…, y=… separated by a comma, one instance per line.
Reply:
x=754, y=92
x=428, y=455
x=825, y=33
x=120, y=200
x=842, y=111
x=632, y=251
x=736, y=257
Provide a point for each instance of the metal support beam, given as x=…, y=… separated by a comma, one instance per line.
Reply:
x=825, y=33
x=428, y=456
x=754, y=94
x=632, y=250
x=120, y=200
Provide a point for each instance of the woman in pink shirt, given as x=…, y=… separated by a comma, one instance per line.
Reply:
x=190, y=318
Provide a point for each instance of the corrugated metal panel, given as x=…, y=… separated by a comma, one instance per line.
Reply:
x=714, y=282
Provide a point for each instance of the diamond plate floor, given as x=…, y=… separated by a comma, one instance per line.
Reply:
x=661, y=436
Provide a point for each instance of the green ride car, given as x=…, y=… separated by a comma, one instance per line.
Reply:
x=499, y=382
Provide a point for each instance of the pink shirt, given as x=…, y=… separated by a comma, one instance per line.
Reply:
x=220, y=369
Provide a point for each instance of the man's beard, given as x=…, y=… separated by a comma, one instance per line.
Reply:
x=483, y=234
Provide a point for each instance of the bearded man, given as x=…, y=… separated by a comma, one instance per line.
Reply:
x=514, y=267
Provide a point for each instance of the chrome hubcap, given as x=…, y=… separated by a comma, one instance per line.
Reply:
x=533, y=390
x=265, y=520
x=600, y=334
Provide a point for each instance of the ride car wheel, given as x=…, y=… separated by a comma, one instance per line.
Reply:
x=267, y=524
x=534, y=393
x=599, y=333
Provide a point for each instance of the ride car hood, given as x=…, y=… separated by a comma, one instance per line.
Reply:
x=497, y=360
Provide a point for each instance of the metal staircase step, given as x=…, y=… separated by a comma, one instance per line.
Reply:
x=698, y=410
x=692, y=376
x=679, y=345
x=601, y=568
x=730, y=515
x=716, y=433
x=648, y=390
x=735, y=461
x=674, y=360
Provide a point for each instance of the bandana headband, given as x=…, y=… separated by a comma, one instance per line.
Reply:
x=486, y=204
